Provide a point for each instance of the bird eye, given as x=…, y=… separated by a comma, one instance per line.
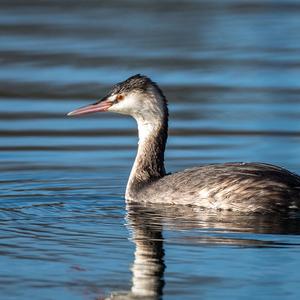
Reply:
x=120, y=97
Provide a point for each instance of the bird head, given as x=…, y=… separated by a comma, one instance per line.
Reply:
x=137, y=96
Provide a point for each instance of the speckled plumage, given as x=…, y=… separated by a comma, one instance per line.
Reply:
x=244, y=187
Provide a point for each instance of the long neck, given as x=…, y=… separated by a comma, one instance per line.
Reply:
x=149, y=162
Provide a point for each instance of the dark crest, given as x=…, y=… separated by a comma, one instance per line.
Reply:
x=137, y=82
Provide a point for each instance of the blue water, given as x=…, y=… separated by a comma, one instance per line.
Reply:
x=230, y=71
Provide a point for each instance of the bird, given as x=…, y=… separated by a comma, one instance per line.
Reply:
x=233, y=186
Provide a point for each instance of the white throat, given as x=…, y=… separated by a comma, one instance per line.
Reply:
x=146, y=130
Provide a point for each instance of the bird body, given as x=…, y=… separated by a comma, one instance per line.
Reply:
x=242, y=187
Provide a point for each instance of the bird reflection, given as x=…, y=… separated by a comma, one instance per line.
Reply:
x=148, y=267
x=146, y=224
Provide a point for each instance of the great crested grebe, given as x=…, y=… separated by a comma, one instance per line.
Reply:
x=243, y=187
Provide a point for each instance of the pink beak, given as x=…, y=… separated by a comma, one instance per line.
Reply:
x=102, y=105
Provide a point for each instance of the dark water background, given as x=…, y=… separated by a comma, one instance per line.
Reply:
x=231, y=72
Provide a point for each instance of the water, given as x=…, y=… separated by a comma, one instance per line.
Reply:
x=230, y=70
